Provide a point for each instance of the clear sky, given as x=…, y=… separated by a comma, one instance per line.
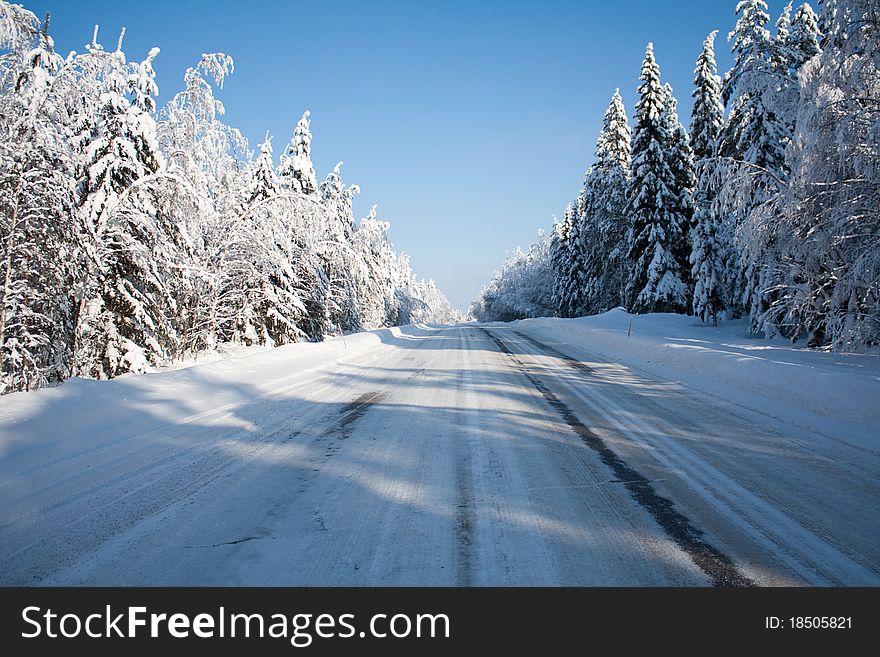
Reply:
x=470, y=123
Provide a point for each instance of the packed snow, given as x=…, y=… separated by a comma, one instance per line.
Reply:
x=503, y=454
x=823, y=391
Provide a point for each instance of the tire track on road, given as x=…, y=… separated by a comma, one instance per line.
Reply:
x=716, y=565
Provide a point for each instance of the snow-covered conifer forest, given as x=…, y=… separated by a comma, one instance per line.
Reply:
x=765, y=208
x=132, y=236
x=628, y=410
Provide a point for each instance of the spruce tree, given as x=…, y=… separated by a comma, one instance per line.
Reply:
x=126, y=319
x=707, y=117
x=710, y=251
x=613, y=148
x=263, y=183
x=40, y=259
x=762, y=100
x=707, y=268
x=340, y=263
x=561, y=263
x=680, y=157
x=657, y=281
x=582, y=242
x=296, y=163
x=755, y=132
x=605, y=203
x=751, y=43
x=779, y=48
x=803, y=39
x=827, y=16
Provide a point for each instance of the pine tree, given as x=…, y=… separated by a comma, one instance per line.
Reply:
x=755, y=132
x=711, y=255
x=605, y=203
x=561, y=263
x=751, y=43
x=796, y=41
x=763, y=101
x=707, y=268
x=269, y=279
x=40, y=264
x=680, y=156
x=779, y=54
x=126, y=321
x=707, y=117
x=296, y=163
x=122, y=151
x=657, y=278
x=263, y=181
x=339, y=260
x=803, y=40
x=581, y=243
x=613, y=149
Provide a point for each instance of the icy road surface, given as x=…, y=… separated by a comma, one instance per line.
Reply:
x=464, y=455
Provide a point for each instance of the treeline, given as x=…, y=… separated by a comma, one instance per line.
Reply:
x=766, y=208
x=131, y=237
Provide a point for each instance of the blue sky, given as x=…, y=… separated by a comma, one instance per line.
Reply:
x=470, y=124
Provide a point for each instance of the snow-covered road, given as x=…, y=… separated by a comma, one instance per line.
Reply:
x=463, y=455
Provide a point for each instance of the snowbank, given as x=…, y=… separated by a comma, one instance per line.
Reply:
x=826, y=392
x=133, y=404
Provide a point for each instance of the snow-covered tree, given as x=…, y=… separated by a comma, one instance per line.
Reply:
x=803, y=39
x=199, y=146
x=751, y=42
x=569, y=249
x=39, y=255
x=377, y=283
x=338, y=197
x=126, y=315
x=125, y=243
x=265, y=287
x=827, y=15
x=207, y=157
x=762, y=99
x=263, y=182
x=521, y=288
x=785, y=221
x=779, y=54
x=341, y=263
x=707, y=117
x=559, y=253
x=658, y=230
x=711, y=254
x=587, y=250
x=707, y=268
x=829, y=235
x=756, y=132
x=680, y=156
x=296, y=167
x=604, y=201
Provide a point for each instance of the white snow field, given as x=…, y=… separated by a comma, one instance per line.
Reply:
x=542, y=452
